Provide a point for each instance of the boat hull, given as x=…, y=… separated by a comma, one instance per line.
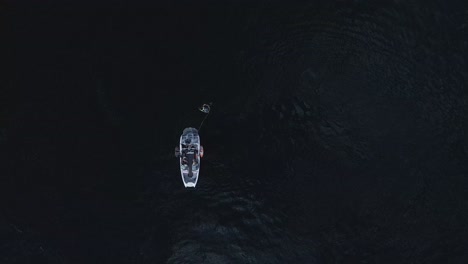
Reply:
x=190, y=134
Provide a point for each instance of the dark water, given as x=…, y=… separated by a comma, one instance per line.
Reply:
x=338, y=132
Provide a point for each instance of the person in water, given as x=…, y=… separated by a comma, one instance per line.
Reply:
x=205, y=108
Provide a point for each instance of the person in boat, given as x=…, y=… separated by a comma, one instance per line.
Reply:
x=190, y=160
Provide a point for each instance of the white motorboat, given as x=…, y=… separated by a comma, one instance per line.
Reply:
x=189, y=152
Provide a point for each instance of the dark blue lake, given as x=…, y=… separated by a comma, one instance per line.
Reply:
x=338, y=132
